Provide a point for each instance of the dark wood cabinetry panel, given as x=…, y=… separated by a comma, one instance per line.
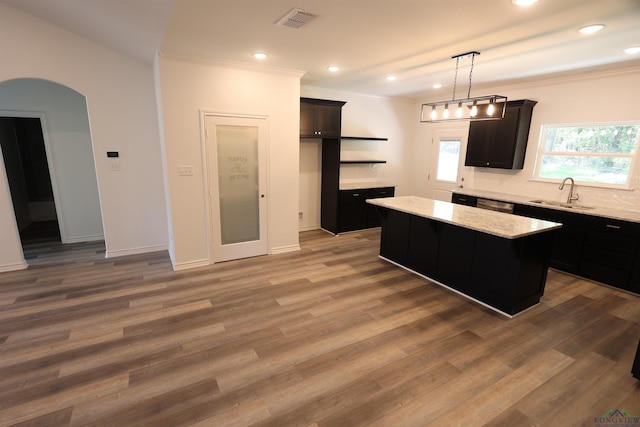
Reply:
x=355, y=213
x=461, y=199
x=339, y=210
x=455, y=257
x=501, y=143
x=506, y=274
x=320, y=118
x=353, y=210
x=568, y=241
x=329, y=183
x=395, y=236
x=610, y=251
x=424, y=245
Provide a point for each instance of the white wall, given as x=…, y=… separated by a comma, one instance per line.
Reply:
x=597, y=98
x=310, y=182
x=70, y=154
x=122, y=116
x=189, y=87
x=369, y=116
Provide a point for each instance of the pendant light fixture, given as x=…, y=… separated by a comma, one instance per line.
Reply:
x=490, y=107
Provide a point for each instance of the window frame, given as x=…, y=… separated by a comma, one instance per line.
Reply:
x=540, y=153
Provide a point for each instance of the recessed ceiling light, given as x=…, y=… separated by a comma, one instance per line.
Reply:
x=391, y=78
x=437, y=86
x=524, y=2
x=632, y=50
x=259, y=55
x=590, y=29
x=333, y=68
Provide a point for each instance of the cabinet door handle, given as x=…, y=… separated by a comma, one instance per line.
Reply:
x=356, y=194
x=617, y=227
x=462, y=199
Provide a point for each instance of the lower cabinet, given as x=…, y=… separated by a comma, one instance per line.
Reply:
x=506, y=274
x=354, y=213
x=610, y=251
x=635, y=370
x=597, y=248
x=569, y=240
x=462, y=199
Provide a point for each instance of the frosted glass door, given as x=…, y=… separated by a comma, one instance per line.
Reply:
x=236, y=153
x=238, y=183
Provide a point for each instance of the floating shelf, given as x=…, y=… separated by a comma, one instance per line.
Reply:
x=363, y=138
x=361, y=162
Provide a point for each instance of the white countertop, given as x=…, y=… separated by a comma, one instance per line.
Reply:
x=491, y=222
x=620, y=214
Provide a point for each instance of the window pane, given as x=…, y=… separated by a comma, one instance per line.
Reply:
x=606, y=170
x=448, y=160
x=593, y=139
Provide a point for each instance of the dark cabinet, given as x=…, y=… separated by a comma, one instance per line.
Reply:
x=373, y=216
x=568, y=241
x=423, y=245
x=462, y=199
x=395, y=235
x=354, y=211
x=506, y=274
x=610, y=251
x=634, y=281
x=635, y=369
x=340, y=211
x=455, y=255
x=320, y=118
x=501, y=143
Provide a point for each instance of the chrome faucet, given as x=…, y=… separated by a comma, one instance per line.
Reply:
x=570, y=197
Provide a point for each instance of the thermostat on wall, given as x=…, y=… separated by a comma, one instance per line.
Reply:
x=113, y=154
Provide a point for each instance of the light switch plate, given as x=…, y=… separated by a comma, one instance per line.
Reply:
x=185, y=170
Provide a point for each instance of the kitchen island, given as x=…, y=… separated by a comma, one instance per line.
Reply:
x=496, y=259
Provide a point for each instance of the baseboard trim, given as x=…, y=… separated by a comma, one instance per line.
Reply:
x=285, y=249
x=135, y=251
x=83, y=239
x=13, y=267
x=190, y=264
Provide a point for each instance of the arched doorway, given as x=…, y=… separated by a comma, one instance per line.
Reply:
x=61, y=115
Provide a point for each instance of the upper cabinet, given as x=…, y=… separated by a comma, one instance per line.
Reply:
x=501, y=143
x=320, y=118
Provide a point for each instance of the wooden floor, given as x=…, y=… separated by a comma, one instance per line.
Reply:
x=327, y=336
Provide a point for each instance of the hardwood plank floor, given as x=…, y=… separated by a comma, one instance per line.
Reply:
x=327, y=336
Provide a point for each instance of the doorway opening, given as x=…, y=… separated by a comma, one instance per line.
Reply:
x=25, y=161
x=47, y=154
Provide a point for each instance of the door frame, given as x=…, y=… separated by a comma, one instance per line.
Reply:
x=208, y=192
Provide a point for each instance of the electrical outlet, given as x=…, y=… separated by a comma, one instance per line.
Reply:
x=300, y=215
x=115, y=166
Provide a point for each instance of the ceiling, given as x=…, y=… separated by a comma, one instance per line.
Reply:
x=368, y=39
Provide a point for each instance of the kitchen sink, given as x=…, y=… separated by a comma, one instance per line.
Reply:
x=562, y=204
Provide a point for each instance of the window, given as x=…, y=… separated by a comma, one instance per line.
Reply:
x=448, y=160
x=597, y=154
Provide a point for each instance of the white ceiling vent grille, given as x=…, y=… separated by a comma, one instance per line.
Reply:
x=296, y=18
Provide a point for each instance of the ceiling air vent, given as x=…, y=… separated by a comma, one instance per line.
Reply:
x=296, y=18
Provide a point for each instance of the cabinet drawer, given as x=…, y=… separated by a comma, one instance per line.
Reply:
x=615, y=227
x=374, y=193
x=462, y=199
x=607, y=257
